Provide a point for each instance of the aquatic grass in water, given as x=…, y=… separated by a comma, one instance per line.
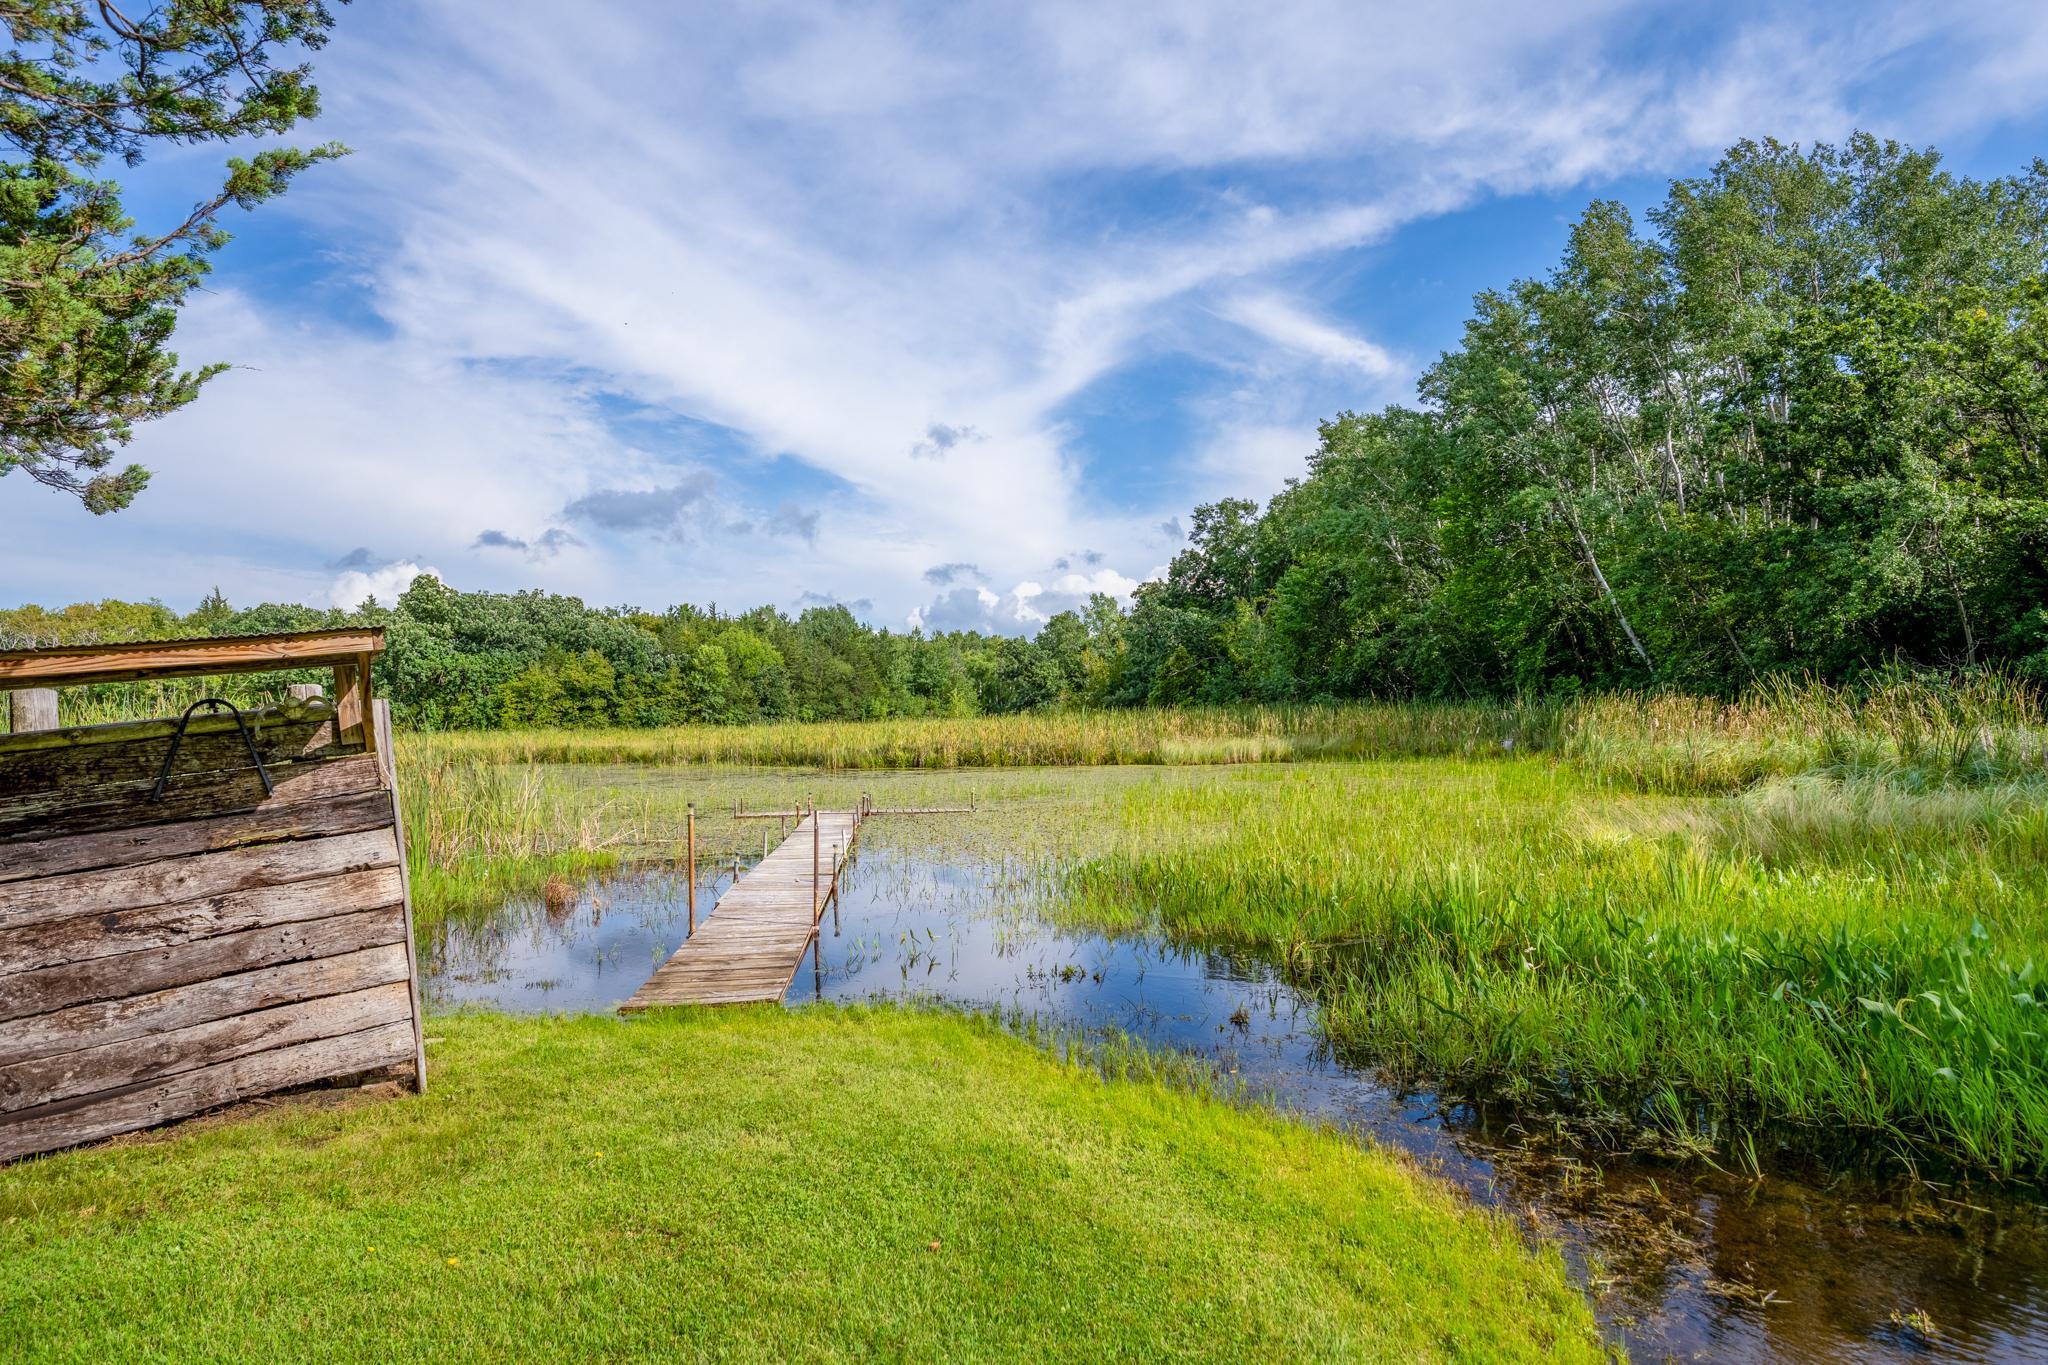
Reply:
x=1843, y=960
x=478, y=832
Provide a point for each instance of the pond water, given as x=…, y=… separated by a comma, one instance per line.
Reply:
x=1680, y=1260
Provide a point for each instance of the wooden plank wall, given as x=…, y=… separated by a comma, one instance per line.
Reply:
x=161, y=958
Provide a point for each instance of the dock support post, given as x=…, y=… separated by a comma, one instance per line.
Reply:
x=693, y=867
x=816, y=904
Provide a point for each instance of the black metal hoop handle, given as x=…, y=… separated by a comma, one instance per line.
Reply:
x=163, y=778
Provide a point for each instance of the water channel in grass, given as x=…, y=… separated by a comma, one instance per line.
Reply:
x=1682, y=1259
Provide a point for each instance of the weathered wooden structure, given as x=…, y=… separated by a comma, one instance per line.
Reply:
x=196, y=911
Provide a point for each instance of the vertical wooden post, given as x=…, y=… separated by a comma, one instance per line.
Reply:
x=387, y=766
x=352, y=703
x=32, y=708
x=693, y=867
x=817, y=906
x=347, y=701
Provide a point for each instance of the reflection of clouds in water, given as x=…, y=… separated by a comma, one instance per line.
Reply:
x=587, y=951
x=1686, y=1255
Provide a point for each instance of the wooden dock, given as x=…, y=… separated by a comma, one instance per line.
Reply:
x=749, y=948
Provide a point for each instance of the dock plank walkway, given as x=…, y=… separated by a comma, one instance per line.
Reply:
x=748, y=949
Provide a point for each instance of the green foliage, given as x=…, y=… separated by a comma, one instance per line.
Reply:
x=87, y=305
x=1798, y=429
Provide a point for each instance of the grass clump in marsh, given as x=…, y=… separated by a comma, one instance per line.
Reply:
x=477, y=833
x=762, y=1184
x=1835, y=959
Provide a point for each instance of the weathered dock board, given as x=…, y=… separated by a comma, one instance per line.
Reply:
x=749, y=948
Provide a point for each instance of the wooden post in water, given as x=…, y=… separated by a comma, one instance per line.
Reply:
x=693, y=867
x=816, y=905
x=32, y=708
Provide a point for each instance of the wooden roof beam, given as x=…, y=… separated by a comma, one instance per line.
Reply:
x=72, y=665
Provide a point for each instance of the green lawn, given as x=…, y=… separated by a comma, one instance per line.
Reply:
x=761, y=1184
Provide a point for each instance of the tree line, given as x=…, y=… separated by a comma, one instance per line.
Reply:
x=478, y=660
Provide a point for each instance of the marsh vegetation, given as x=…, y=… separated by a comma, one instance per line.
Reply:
x=1805, y=917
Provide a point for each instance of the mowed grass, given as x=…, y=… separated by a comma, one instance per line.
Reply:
x=762, y=1184
x=1832, y=960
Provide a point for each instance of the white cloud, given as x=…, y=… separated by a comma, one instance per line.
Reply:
x=1025, y=607
x=1251, y=460
x=1286, y=324
x=384, y=583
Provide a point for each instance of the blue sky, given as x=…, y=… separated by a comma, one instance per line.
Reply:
x=950, y=313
